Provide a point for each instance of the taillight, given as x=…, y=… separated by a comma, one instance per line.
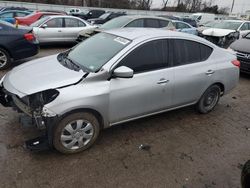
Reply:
x=29, y=37
x=236, y=63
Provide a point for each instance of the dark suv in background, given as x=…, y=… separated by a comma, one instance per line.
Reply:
x=89, y=14
x=106, y=17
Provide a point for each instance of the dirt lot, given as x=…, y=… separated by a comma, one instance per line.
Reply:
x=187, y=150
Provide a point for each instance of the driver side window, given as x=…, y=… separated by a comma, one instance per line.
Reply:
x=148, y=57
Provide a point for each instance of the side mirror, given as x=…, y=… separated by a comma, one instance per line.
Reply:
x=123, y=72
x=44, y=26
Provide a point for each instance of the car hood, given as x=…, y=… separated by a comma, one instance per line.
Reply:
x=217, y=32
x=242, y=45
x=39, y=75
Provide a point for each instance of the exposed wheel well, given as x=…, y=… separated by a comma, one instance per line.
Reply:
x=94, y=112
x=222, y=87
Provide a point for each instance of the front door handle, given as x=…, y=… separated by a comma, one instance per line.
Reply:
x=209, y=72
x=162, y=81
x=59, y=31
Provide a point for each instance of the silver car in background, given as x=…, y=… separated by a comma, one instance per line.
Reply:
x=135, y=21
x=53, y=29
x=118, y=76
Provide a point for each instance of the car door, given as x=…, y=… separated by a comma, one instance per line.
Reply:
x=193, y=70
x=71, y=29
x=150, y=89
x=51, y=31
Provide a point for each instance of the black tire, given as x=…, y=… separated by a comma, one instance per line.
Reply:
x=209, y=99
x=8, y=62
x=245, y=175
x=58, y=131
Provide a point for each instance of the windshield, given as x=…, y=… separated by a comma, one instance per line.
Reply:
x=39, y=22
x=210, y=24
x=116, y=23
x=93, y=53
x=104, y=16
x=227, y=25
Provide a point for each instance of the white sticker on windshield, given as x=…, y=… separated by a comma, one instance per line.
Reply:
x=121, y=40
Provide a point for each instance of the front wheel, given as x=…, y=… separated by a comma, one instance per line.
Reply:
x=76, y=133
x=209, y=99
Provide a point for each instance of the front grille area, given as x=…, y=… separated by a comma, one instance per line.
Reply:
x=244, y=59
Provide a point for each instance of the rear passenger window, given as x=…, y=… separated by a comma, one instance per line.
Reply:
x=186, y=52
x=152, y=23
x=163, y=23
x=205, y=52
x=148, y=57
x=135, y=23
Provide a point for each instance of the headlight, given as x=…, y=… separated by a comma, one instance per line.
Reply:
x=38, y=100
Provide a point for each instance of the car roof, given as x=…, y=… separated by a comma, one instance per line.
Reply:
x=148, y=33
x=62, y=16
x=145, y=16
x=7, y=11
x=240, y=21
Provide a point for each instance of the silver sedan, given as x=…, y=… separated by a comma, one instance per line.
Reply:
x=54, y=29
x=118, y=76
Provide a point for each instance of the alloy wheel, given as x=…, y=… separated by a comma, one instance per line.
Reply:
x=3, y=59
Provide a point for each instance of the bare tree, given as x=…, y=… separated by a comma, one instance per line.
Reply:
x=164, y=2
x=232, y=6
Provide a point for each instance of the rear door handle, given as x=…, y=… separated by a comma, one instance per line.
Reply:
x=162, y=81
x=59, y=31
x=209, y=72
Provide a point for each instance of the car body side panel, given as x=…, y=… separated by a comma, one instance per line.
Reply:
x=140, y=95
x=92, y=93
x=191, y=81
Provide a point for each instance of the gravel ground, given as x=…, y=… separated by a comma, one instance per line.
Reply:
x=186, y=150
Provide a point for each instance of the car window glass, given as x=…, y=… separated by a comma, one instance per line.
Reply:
x=148, y=57
x=7, y=15
x=54, y=23
x=206, y=51
x=244, y=27
x=163, y=23
x=186, y=52
x=70, y=22
x=81, y=24
x=20, y=14
x=152, y=23
x=135, y=23
x=182, y=25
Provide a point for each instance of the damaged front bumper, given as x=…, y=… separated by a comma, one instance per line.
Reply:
x=223, y=41
x=42, y=119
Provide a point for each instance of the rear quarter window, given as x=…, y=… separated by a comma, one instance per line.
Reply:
x=187, y=52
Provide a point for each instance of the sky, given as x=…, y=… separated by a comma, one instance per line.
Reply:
x=240, y=6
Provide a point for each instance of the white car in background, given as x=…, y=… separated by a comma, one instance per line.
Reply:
x=54, y=29
x=225, y=32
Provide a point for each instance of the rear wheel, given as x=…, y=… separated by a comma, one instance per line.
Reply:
x=209, y=99
x=5, y=60
x=76, y=133
x=245, y=175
